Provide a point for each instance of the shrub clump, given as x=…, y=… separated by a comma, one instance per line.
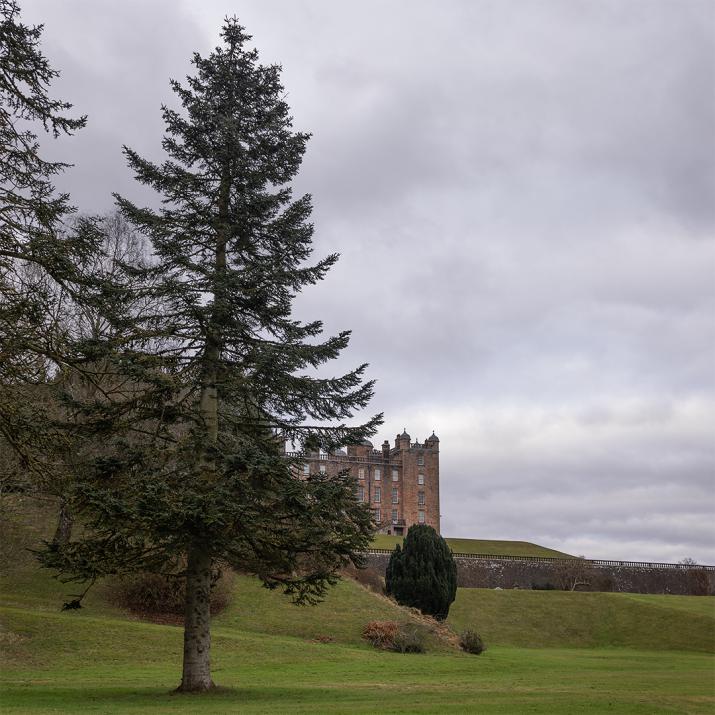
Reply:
x=471, y=642
x=409, y=639
x=159, y=594
x=380, y=634
x=398, y=637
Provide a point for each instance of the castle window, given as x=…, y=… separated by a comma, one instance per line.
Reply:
x=395, y=496
x=376, y=515
x=420, y=478
x=395, y=475
x=361, y=493
x=322, y=469
x=377, y=494
x=420, y=498
x=421, y=517
x=394, y=516
x=306, y=469
x=377, y=475
x=361, y=473
x=421, y=460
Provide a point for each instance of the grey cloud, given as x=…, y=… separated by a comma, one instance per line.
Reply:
x=523, y=198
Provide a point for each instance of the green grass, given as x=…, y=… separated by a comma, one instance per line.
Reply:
x=557, y=618
x=489, y=547
x=341, y=616
x=78, y=663
x=548, y=652
x=98, y=660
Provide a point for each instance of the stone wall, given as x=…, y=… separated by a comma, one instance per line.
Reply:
x=511, y=572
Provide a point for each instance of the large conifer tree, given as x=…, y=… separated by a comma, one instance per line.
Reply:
x=213, y=376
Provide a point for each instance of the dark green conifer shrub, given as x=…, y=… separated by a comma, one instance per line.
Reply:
x=422, y=574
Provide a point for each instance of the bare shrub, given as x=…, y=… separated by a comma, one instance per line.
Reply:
x=380, y=634
x=400, y=637
x=368, y=577
x=572, y=573
x=471, y=642
x=410, y=638
x=152, y=593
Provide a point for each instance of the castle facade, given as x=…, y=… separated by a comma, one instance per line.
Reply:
x=400, y=483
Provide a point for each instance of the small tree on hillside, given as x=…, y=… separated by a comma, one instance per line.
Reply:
x=573, y=573
x=423, y=574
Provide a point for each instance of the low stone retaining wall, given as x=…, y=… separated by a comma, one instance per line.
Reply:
x=484, y=571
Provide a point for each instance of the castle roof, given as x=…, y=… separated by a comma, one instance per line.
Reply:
x=432, y=438
x=404, y=434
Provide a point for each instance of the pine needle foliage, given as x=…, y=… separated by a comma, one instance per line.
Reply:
x=423, y=574
x=198, y=390
x=39, y=256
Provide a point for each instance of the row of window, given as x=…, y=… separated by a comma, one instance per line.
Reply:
x=376, y=474
x=377, y=495
x=377, y=516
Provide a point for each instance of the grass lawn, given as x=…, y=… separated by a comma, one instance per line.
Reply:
x=548, y=652
x=489, y=547
x=76, y=663
x=535, y=619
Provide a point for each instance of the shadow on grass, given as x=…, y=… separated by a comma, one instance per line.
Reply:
x=38, y=698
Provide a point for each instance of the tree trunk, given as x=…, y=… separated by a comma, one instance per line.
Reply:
x=196, y=675
x=63, y=532
x=197, y=626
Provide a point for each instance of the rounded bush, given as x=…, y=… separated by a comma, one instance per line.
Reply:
x=409, y=639
x=471, y=642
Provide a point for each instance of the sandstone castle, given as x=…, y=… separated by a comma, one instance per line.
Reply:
x=400, y=483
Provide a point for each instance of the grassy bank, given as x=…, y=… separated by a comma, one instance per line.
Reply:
x=548, y=652
x=490, y=547
x=75, y=663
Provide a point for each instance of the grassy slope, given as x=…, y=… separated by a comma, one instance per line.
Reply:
x=341, y=616
x=558, y=618
x=481, y=546
x=98, y=666
x=98, y=660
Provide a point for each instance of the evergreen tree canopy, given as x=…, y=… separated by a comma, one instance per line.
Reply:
x=422, y=574
x=195, y=393
x=40, y=257
x=30, y=210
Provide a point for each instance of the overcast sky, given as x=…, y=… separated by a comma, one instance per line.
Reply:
x=523, y=194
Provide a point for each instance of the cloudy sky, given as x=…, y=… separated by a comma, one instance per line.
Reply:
x=523, y=194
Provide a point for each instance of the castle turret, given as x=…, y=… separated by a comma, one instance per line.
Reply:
x=402, y=441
